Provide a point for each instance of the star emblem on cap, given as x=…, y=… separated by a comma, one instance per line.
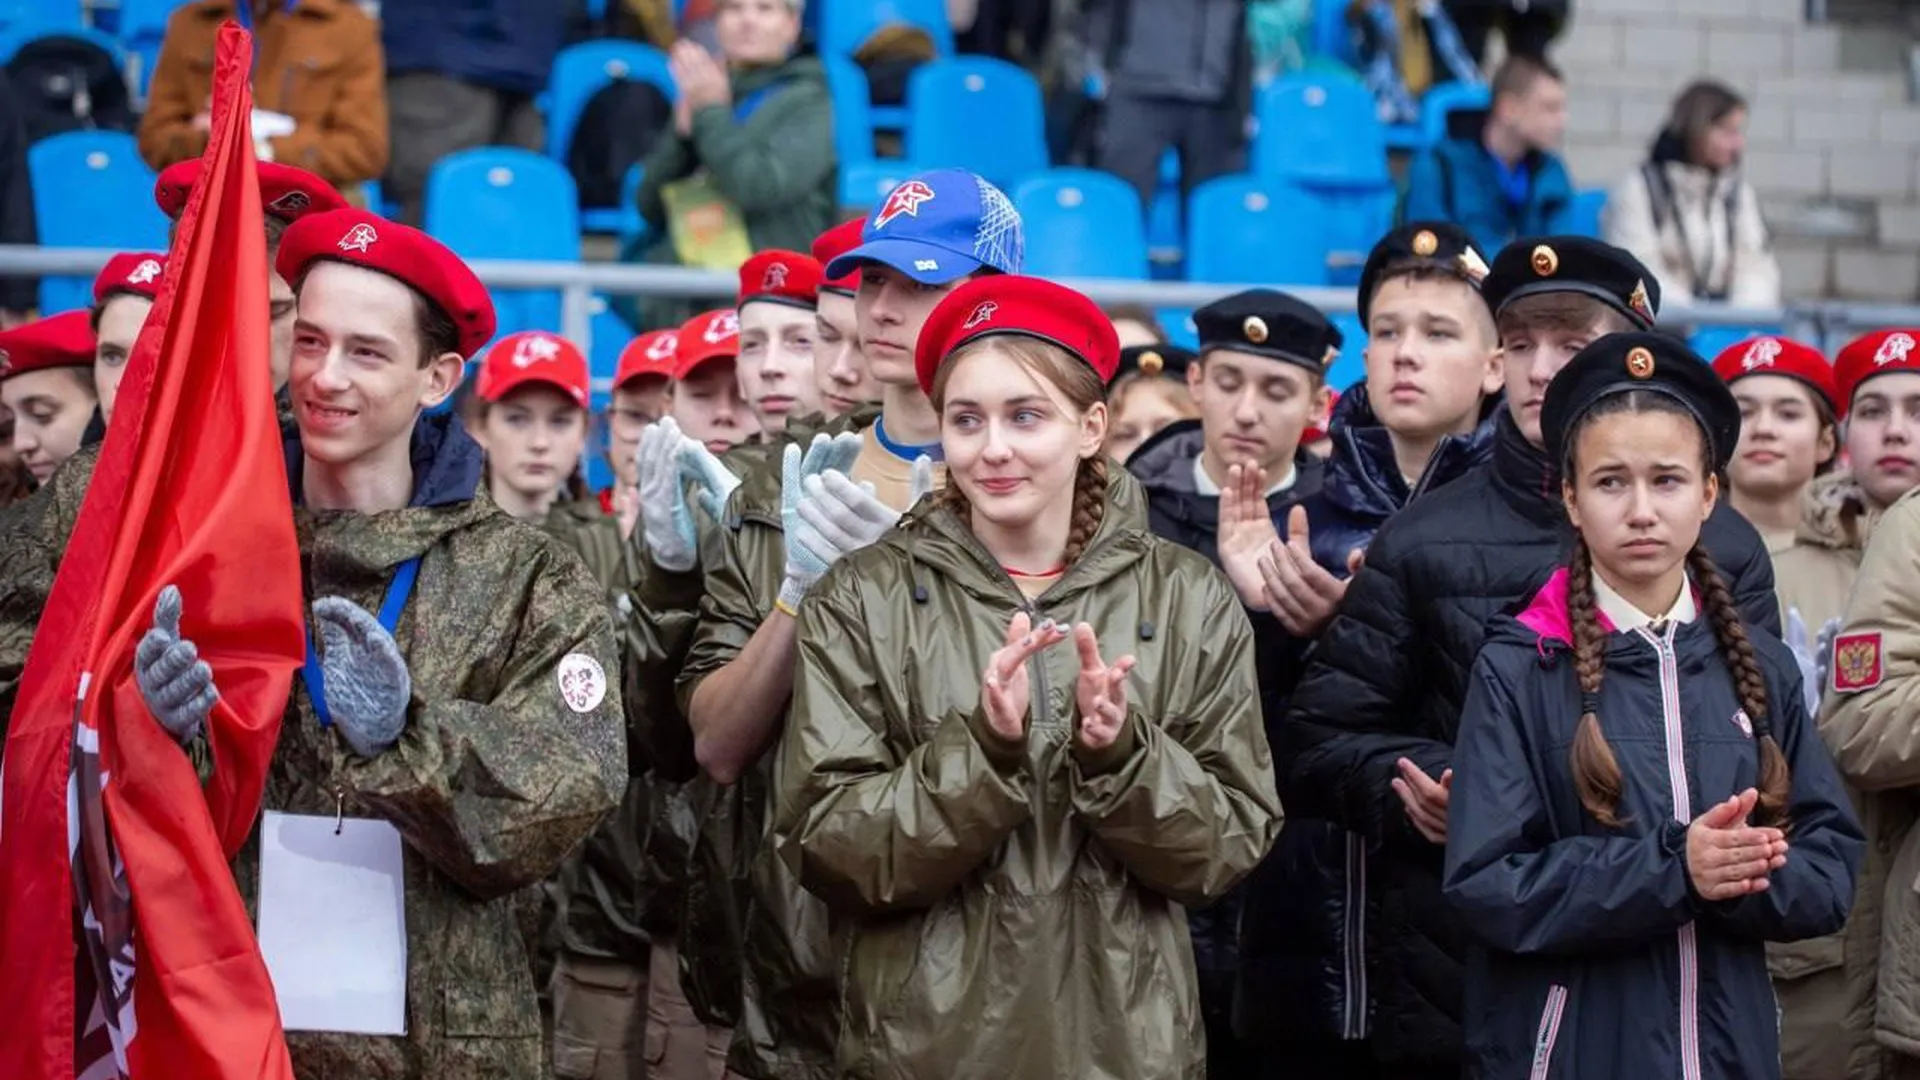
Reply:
x=1894, y=350
x=145, y=273
x=1761, y=353
x=1255, y=329
x=905, y=199
x=1425, y=243
x=774, y=278
x=537, y=349
x=1640, y=362
x=725, y=325
x=1638, y=301
x=1152, y=363
x=359, y=238
x=982, y=313
x=663, y=347
x=1545, y=261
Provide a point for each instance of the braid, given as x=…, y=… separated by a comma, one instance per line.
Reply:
x=1089, y=506
x=1749, y=681
x=1596, y=773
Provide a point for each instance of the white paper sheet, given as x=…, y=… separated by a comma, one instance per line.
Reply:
x=268, y=124
x=333, y=923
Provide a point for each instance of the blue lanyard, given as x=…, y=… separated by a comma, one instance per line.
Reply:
x=905, y=451
x=390, y=608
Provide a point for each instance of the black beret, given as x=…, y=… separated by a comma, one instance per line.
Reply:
x=1576, y=264
x=1443, y=246
x=1266, y=322
x=1171, y=361
x=1641, y=360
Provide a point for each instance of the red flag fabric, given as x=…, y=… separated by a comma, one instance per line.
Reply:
x=190, y=490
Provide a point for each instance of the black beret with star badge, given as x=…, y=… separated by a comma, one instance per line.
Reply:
x=1576, y=264
x=1641, y=360
x=1170, y=361
x=1437, y=244
x=1270, y=323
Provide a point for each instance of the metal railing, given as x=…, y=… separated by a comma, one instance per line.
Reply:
x=1827, y=324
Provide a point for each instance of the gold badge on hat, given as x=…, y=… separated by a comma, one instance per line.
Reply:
x=1472, y=265
x=1255, y=328
x=1331, y=355
x=1640, y=362
x=1152, y=363
x=1637, y=300
x=1545, y=261
x=1425, y=243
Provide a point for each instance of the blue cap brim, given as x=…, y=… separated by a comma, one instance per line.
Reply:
x=905, y=256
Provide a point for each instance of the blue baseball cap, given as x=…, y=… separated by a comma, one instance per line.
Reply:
x=937, y=228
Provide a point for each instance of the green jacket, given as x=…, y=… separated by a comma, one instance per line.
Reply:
x=1014, y=910
x=496, y=779
x=777, y=167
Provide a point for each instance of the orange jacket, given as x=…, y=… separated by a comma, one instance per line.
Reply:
x=318, y=61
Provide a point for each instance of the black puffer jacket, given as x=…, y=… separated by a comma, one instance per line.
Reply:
x=1388, y=679
x=1303, y=911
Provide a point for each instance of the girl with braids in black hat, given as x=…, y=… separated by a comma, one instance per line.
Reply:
x=1640, y=800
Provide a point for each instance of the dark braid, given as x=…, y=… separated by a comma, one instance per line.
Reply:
x=1749, y=681
x=1596, y=772
x=1089, y=506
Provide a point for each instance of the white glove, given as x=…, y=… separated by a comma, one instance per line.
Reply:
x=835, y=516
x=664, y=513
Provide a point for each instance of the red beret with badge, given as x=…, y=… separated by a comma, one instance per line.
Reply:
x=1868, y=355
x=714, y=335
x=363, y=238
x=285, y=192
x=780, y=277
x=652, y=353
x=1780, y=356
x=136, y=273
x=63, y=340
x=1015, y=304
x=534, y=356
x=834, y=243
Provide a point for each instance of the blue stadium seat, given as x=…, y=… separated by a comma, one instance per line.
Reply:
x=1583, y=216
x=504, y=203
x=40, y=16
x=1351, y=221
x=142, y=25
x=975, y=112
x=1711, y=341
x=1082, y=223
x=852, y=110
x=1319, y=129
x=581, y=70
x=12, y=40
x=1179, y=327
x=1166, y=235
x=623, y=221
x=1351, y=365
x=1441, y=102
x=862, y=186
x=100, y=170
x=845, y=25
x=1246, y=229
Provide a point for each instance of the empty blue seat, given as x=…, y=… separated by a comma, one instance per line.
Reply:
x=863, y=185
x=580, y=71
x=504, y=203
x=1438, y=105
x=1351, y=221
x=1319, y=129
x=142, y=26
x=978, y=113
x=40, y=16
x=852, y=110
x=845, y=25
x=12, y=40
x=623, y=221
x=90, y=189
x=1247, y=229
x=1583, y=215
x=1081, y=223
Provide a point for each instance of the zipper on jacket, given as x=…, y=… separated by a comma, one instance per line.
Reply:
x=1039, y=669
x=1353, y=1021
x=1549, y=1031
x=1689, y=959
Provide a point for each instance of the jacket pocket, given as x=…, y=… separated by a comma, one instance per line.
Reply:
x=1551, y=1015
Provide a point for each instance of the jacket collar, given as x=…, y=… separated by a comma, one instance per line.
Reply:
x=1523, y=475
x=447, y=463
x=1836, y=513
x=1363, y=474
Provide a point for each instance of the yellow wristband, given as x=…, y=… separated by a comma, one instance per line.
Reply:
x=782, y=605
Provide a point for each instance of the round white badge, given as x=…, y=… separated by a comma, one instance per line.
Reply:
x=583, y=682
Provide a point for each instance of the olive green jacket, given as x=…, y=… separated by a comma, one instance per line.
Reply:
x=1014, y=909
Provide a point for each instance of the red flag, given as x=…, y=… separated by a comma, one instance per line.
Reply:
x=190, y=490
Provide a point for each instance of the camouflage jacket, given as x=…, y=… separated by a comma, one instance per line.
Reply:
x=498, y=776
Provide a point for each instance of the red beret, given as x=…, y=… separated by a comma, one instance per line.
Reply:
x=707, y=337
x=64, y=340
x=1015, y=304
x=652, y=353
x=534, y=356
x=834, y=243
x=364, y=238
x=1779, y=356
x=780, y=277
x=136, y=272
x=285, y=192
x=1874, y=354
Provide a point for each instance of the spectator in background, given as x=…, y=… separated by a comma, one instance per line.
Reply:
x=18, y=295
x=1527, y=25
x=1175, y=73
x=1688, y=213
x=319, y=87
x=1407, y=46
x=1148, y=394
x=1506, y=182
x=752, y=139
x=461, y=74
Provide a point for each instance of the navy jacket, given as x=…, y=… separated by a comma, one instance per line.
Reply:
x=502, y=44
x=1594, y=958
x=1456, y=181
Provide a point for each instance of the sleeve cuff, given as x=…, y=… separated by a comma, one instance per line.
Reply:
x=1110, y=757
x=1009, y=756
